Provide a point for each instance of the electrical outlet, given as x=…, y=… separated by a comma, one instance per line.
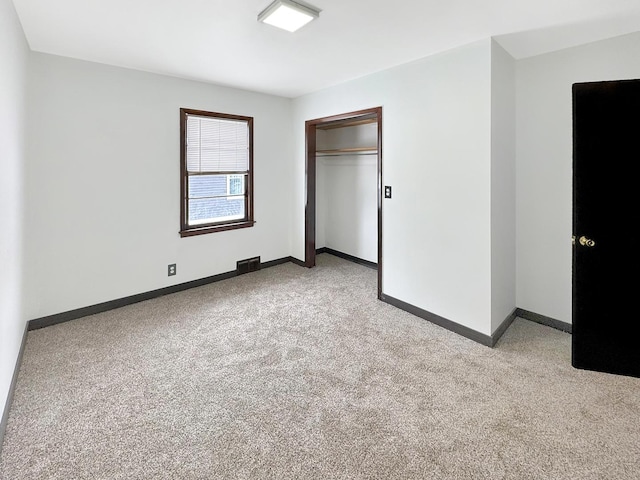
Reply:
x=387, y=191
x=172, y=269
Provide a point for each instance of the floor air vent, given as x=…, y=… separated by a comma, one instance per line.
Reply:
x=248, y=265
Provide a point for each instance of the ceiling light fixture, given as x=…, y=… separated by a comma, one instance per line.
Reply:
x=288, y=15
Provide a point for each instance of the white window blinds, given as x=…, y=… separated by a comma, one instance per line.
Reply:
x=216, y=145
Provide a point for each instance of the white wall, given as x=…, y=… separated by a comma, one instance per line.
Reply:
x=437, y=157
x=544, y=164
x=102, y=184
x=350, y=201
x=347, y=193
x=503, y=185
x=13, y=58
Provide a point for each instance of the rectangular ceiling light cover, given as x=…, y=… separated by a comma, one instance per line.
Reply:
x=288, y=15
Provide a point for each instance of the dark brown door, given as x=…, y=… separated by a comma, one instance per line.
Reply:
x=606, y=199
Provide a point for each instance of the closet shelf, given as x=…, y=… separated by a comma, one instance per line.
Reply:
x=348, y=151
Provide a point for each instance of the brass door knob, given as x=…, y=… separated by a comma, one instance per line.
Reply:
x=586, y=242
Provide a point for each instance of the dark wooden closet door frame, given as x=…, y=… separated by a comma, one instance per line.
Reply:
x=310, y=167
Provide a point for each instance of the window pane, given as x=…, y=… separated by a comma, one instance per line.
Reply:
x=236, y=184
x=207, y=186
x=210, y=210
x=215, y=185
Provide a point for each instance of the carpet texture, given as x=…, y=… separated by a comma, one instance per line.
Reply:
x=302, y=373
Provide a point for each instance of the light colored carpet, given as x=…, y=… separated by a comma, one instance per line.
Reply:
x=297, y=373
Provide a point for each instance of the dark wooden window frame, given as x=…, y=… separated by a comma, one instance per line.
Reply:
x=310, y=166
x=185, y=229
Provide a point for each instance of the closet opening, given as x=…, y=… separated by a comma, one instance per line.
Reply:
x=343, y=211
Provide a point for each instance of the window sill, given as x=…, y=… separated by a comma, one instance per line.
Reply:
x=215, y=228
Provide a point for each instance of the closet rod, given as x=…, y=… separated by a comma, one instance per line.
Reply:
x=348, y=150
x=345, y=154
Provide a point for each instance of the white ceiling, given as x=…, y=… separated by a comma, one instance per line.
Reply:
x=222, y=42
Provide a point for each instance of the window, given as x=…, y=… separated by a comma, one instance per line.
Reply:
x=234, y=184
x=216, y=163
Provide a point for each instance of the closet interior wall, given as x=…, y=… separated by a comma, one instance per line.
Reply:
x=347, y=189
